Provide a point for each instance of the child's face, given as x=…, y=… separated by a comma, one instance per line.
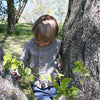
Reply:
x=42, y=43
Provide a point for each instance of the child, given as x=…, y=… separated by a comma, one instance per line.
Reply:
x=43, y=52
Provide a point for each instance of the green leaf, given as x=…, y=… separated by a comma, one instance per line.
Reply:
x=31, y=78
x=76, y=69
x=14, y=60
x=7, y=57
x=35, y=69
x=5, y=62
x=49, y=78
x=65, y=82
x=20, y=70
x=28, y=70
x=74, y=92
x=6, y=66
x=74, y=88
x=85, y=71
x=81, y=81
x=56, y=85
x=13, y=67
x=78, y=63
x=56, y=98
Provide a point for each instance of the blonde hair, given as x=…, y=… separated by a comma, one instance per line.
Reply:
x=45, y=27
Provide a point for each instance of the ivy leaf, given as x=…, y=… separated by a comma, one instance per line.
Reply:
x=31, y=78
x=85, y=71
x=56, y=85
x=78, y=63
x=14, y=60
x=6, y=66
x=28, y=70
x=20, y=70
x=74, y=92
x=81, y=81
x=65, y=82
x=76, y=69
x=74, y=88
x=13, y=67
x=5, y=62
x=7, y=57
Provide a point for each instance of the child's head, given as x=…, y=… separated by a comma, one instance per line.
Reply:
x=45, y=28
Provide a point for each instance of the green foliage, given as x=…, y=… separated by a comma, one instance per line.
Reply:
x=49, y=78
x=12, y=63
x=9, y=62
x=28, y=76
x=26, y=73
x=81, y=69
x=64, y=90
x=63, y=87
x=59, y=74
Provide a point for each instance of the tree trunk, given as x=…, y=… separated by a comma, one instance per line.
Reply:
x=20, y=10
x=81, y=41
x=11, y=15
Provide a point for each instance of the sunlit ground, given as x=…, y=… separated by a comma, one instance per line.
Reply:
x=13, y=44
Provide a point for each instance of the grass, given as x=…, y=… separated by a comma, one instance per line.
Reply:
x=13, y=42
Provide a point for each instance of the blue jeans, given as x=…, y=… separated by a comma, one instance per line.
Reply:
x=44, y=94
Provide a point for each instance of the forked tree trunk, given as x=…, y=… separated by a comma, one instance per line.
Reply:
x=81, y=41
x=20, y=10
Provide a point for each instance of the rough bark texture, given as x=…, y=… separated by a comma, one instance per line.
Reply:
x=11, y=15
x=81, y=41
x=9, y=88
x=20, y=10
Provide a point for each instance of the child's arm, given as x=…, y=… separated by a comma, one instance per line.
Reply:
x=60, y=65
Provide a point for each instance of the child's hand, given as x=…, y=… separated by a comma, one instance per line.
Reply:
x=60, y=65
x=16, y=76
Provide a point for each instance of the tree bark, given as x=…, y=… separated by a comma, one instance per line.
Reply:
x=14, y=15
x=81, y=41
x=11, y=15
x=20, y=10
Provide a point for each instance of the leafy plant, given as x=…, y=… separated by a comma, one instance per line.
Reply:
x=28, y=75
x=63, y=89
x=81, y=69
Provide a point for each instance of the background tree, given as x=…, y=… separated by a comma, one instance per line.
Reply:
x=21, y=6
x=36, y=8
x=14, y=11
x=11, y=14
x=60, y=8
x=81, y=40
